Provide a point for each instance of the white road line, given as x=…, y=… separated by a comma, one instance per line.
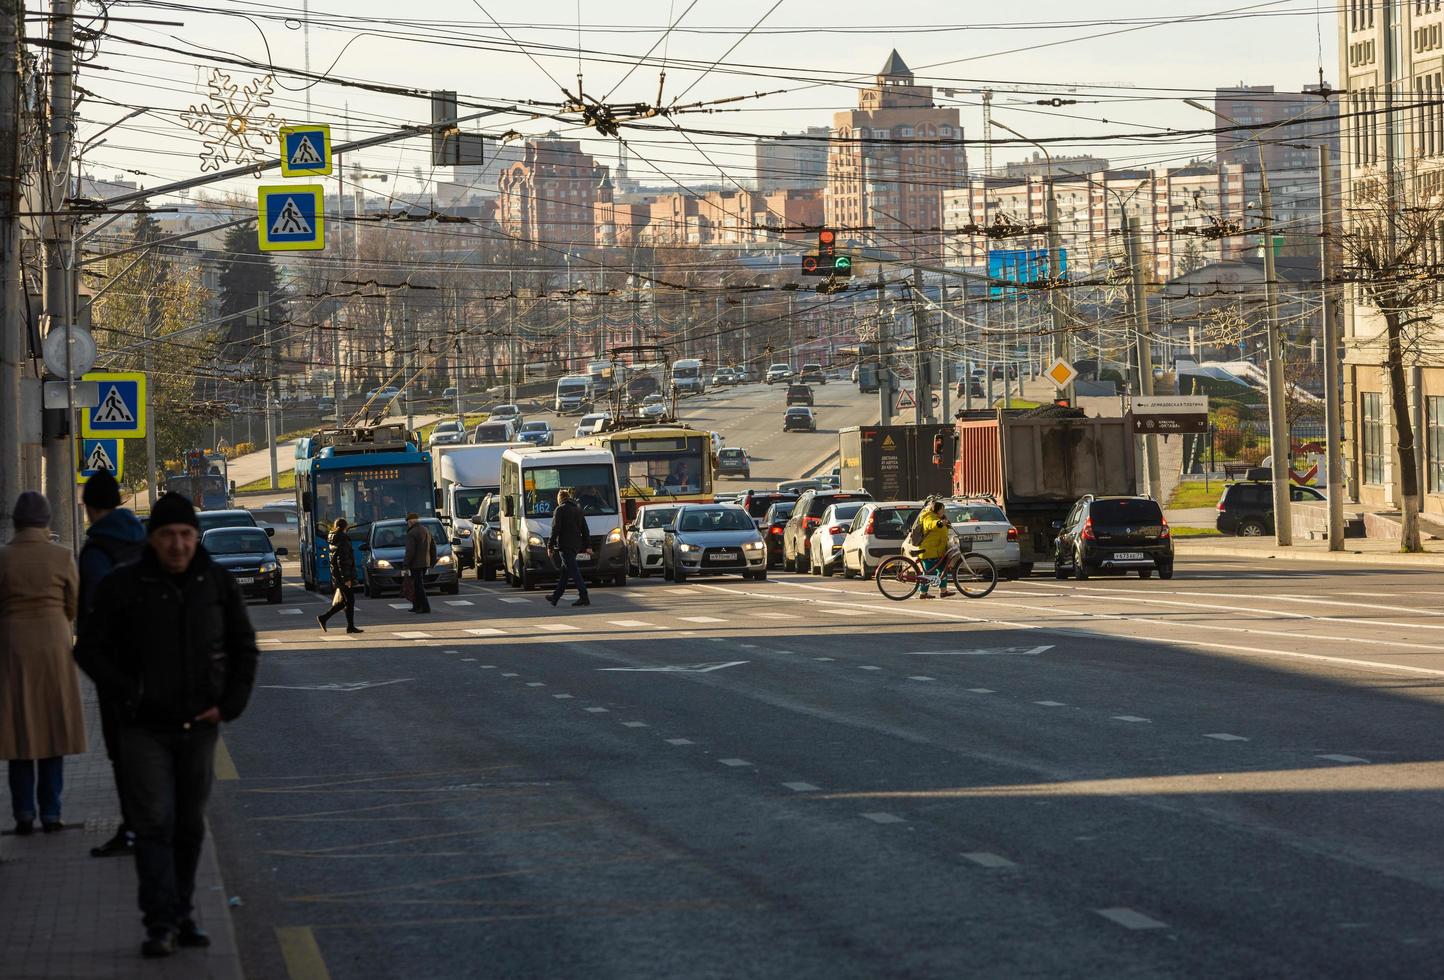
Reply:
x=460, y=602
x=1051, y=704
x=511, y=675
x=412, y=635
x=869, y=667
x=465, y=660
x=536, y=684
x=599, y=711
x=1225, y=737
x=701, y=619
x=634, y=624
x=556, y=627
x=635, y=724
x=1130, y=918
x=1129, y=718
x=563, y=697
x=676, y=591
x=486, y=631
x=734, y=762
x=881, y=817
x=802, y=787
x=771, y=615
x=982, y=690
x=848, y=611
x=1341, y=758
x=989, y=860
x=826, y=660
x=748, y=646
x=513, y=598
x=920, y=677
x=268, y=640
x=680, y=741
x=399, y=605
x=488, y=666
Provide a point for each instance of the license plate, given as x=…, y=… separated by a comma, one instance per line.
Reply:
x=721, y=558
x=965, y=542
x=583, y=559
x=1129, y=556
x=246, y=579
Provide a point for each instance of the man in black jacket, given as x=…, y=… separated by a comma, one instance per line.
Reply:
x=343, y=576
x=570, y=537
x=169, y=643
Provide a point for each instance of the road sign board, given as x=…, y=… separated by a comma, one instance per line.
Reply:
x=119, y=412
x=291, y=218
x=79, y=359
x=1164, y=414
x=68, y=394
x=1061, y=373
x=306, y=150
x=99, y=454
x=905, y=400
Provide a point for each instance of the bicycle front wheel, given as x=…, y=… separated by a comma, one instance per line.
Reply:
x=898, y=577
x=975, y=575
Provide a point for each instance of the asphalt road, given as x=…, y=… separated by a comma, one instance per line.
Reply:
x=1235, y=773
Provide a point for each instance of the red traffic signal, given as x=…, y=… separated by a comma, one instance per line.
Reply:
x=809, y=263
x=826, y=241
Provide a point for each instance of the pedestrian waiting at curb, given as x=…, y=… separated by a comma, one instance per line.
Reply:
x=171, y=644
x=41, y=719
x=115, y=538
x=343, y=576
x=570, y=537
x=420, y=557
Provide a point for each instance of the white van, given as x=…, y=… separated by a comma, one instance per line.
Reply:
x=530, y=479
x=574, y=394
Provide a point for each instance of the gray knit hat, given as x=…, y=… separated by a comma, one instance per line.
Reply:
x=31, y=510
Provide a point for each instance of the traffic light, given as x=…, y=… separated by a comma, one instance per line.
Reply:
x=827, y=262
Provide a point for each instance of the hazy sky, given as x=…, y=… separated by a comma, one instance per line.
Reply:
x=1129, y=74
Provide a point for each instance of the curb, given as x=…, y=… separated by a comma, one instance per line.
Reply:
x=1428, y=560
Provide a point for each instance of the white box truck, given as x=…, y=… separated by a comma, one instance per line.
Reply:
x=464, y=475
x=530, y=479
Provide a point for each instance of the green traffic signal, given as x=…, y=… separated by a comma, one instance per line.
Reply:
x=842, y=265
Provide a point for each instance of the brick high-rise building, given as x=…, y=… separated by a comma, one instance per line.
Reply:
x=549, y=197
x=793, y=161
x=889, y=161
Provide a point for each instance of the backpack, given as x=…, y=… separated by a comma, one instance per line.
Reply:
x=916, y=535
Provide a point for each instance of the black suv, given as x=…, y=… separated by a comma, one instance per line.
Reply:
x=799, y=395
x=1247, y=509
x=1114, y=534
x=813, y=373
x=805, y=518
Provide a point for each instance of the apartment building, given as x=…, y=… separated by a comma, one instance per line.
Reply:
x=549, y=196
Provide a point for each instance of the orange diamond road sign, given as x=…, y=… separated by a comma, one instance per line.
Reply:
x=1061, y=373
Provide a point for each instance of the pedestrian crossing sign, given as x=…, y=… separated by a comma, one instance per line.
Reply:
x=95, y=455
x=119, y=412
x=292, y=218
x=306, y=150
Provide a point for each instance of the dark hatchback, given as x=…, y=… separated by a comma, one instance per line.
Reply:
x=734, y=462
x=800, y=395
x=246, y=553
x=1247, y=509
x=772, y=525
x=1104, y=535
x=804, y=520
x=756, y=503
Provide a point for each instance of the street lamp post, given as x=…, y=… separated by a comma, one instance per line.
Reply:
x=1279, y=445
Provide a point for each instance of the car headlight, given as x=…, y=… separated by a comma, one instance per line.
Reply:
x=688, y=548
x=493, y=533
x=754, y=546
x=535, y=540
x=614, y=536
x=445, y=560
x=381, y=563
x=464, y=532
x=270, y=566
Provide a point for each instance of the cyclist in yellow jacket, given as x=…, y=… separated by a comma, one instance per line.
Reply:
x=936, y=532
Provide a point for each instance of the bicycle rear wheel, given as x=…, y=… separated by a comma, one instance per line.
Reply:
x=898, y=577
x=975, y=575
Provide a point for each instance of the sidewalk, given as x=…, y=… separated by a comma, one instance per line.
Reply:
x=1358, y=551
x=65, y=914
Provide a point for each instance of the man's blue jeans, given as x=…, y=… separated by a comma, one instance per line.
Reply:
x=24, y=774
x=569, y=570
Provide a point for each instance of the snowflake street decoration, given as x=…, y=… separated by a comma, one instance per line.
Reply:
x=230, y=124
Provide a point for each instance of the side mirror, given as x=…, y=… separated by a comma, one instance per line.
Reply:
x=270, y=532
x=670, y=529
x=233, y=486
x=281, y=552
x=436, y=495
x=506, y=506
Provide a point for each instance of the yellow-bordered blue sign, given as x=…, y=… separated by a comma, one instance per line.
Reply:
x=99, y=454
x=292, y=218
x=306, y=150
x=119, y=412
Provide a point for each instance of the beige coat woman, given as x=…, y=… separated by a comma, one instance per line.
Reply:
x=40, y=713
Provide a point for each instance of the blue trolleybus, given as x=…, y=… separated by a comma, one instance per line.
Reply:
x=364, y=474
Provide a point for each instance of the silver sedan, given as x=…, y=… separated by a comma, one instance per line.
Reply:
x=713, y=539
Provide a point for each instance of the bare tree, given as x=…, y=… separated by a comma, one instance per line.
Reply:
x=1392, y=248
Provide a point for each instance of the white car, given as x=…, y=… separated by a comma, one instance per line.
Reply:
x=654, y=407
x=981, y=526
x=824, y=548
x=779, y=372
x=877, y=532
x=645, y=536
x=447, y=433
x=591, y=424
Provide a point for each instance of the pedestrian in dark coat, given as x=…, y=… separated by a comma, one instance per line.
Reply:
x=115, y=538
x=419, y=558
x=171, y=644
x=41, y=719
x=569, y=538
x=343, y=576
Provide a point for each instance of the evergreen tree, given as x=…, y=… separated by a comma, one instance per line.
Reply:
x=246, y=273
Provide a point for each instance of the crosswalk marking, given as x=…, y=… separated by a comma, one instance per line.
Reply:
x=486, y=631
x=412, y=635
x=701, y=619
x=634, y=624
x=556, y=627
x=399, y=605
x=513, y=598
x=459, y=602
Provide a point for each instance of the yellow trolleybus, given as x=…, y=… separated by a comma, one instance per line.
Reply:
x=667, y=462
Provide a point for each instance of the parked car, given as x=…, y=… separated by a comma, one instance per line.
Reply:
x=1114, y=534
x=486, y=533
x=824, y=548
x=806, y=518
x=800, y=395
x=812, y=373
x=537, y=433
x=385, y=551
x=732, y=461
x=712, y=539
x=212, y=519
x=281, y=524
x=779, y=372
x=877, y=531
x=773, y=525
x=247, y=553
x=447, y=433
x=799, y=418
x=654, y=407
x=981, y=526
x=591, y=424
x=645, y=536
x=724, y=376
x=1247, y=509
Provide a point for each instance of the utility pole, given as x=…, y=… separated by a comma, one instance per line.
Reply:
x=944, y=378
x=1061, y=340
x=60, y=441
x=1278, y=415
x=511, y=343
x=152, y=314
x=884, y=373
x=921, y=390
x=12, y=327
x=263, y=305
x=1132, y=229
x=1333, y=419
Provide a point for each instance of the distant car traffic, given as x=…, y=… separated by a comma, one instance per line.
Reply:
x=211, y=519
x=773, y=525
x=798, y=394
x=1247, y=509
x=247, y=553
x=1114, y=534
x=654, y=407
x=779, y=372
x=281, y=524
x=805, y=520
x=537, y=433
x=645, y=536
x=494, y=430
x=799, y=418
x=812, y=373
x=824, y=548
x=877, y=532
x=385, y=554
x=734, y=462
x=712, y=539
x=591, y=424
x=724, y=376
x=756, y=502
x=506, y=412
x=447, y=433
x=796, y=487
x=486, y=529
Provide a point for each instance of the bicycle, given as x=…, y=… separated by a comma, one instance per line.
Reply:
x=974, y=575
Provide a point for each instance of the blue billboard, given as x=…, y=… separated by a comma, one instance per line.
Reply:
x=1021, y=265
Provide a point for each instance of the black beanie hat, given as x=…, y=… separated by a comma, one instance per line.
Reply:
x=101, y=491
x=172, y=509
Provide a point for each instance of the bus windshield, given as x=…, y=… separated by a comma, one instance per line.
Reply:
x=593, y=487
x=364, y=494
x=663, y=466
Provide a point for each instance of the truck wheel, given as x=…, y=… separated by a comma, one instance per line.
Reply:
x=1251, y=528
